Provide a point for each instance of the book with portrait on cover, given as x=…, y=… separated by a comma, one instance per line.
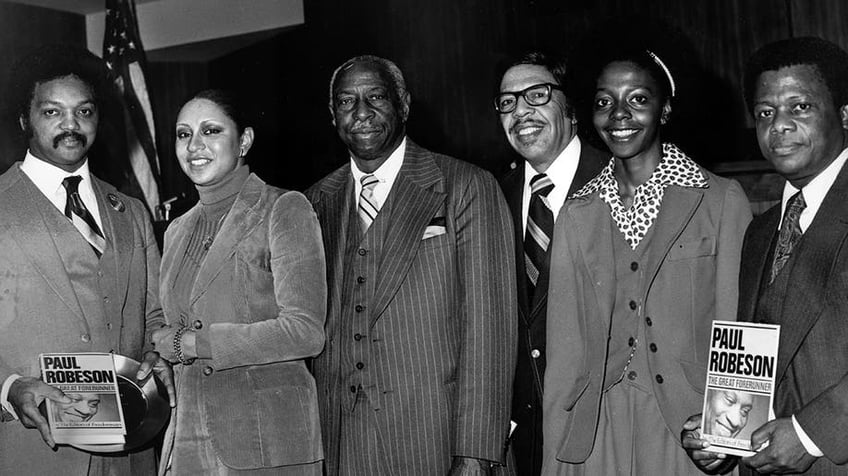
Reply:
x=89, y=379
x=740, y=384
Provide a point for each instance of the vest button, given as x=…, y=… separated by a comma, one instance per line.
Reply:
x=207, y=371
x=353, y=389
x=360, y=365
x=634, y=266
x=631, y=341
x=85, y=338
x=649, y=322
x=197, y=325
x=535, y=353
x=106, y=299
x=659, y=378
x=653, y=347
x=359, y=308
x=360, y=279
x=633, y=305
x=362, y=251
x=357, y=337
x=631, y=375
x=109, y=325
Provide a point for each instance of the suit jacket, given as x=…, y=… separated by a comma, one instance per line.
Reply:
x=48, y=305
x=444, y=311
x=812, y=360
x=529, y=370
x=259, y=299
x=691, y=278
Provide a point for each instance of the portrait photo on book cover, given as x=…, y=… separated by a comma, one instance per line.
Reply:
x=733, y=413
x=87, y=407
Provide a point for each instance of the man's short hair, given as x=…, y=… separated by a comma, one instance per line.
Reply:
x=387, y=66
x=554, y=64
x=51, y=62
x=830, y=61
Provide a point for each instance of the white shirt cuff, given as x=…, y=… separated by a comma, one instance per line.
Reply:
x=805, y=440
x=4, y=395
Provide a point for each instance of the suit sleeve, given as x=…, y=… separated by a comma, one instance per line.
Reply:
x=486, y=271
x=825, y=420
x=300, y=290
x=735, y=216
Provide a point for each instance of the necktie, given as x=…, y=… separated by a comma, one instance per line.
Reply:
x=76, y=211
x=790, y=233
x=367, y=203
x=540, y=228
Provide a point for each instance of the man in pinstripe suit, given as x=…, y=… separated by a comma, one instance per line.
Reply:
x=421, y=333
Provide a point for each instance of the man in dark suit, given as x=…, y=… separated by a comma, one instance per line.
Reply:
x=79, y=265
x=415, y=377
x=538, y=119
x=795, y=260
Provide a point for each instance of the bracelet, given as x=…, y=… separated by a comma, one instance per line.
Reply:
x=178, y=350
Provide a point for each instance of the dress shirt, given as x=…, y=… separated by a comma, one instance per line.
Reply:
x=561, y=172
x=814, y=193
x=48, y=179
x=386, y=174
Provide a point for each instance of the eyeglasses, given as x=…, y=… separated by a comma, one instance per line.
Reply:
x=536, y=95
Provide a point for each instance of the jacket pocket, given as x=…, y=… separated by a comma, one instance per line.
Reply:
x=705, y=246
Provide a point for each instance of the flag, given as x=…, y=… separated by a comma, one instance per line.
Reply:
x=124, y=57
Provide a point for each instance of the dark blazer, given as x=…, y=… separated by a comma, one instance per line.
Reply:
x=526, y=441
x=51, y=302
x=443, y=308
x=260, y=298
x=814, y=332
x=691, y=272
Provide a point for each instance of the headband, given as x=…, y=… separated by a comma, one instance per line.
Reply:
x=662, y=66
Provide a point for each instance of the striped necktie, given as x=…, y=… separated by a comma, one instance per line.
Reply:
x=367, y=203
x=79, y=215
x=540, y=228
x=790, y=233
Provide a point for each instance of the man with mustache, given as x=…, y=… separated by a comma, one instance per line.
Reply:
x=79, y=266
x=794, y=269
x=537, y=115
x=416, y=373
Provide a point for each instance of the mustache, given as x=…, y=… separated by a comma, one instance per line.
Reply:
x=525, y=122
x=69, y=134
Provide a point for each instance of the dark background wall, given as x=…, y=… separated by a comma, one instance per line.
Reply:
x=448, y=51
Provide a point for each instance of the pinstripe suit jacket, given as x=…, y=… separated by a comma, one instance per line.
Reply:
x=442, y=315
x=812, y=360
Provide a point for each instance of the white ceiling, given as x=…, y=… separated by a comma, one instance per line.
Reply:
x=82, y=7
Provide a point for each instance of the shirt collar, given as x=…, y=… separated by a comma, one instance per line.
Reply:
x=388, y=170
x=561, y=170
x=816, y=190
x=48, y=178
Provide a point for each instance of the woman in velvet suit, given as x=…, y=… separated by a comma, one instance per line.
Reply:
x=244, y=291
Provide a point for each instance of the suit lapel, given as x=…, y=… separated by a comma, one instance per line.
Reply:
x=513, y=186
x=333, y=209
x=238, y=223
x=27, y=224
x=590, y=217
x=417, y=194
x=758, y=240
x=811, y=269
x=118, y=228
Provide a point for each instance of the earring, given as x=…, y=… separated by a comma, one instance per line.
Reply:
x=663, y=118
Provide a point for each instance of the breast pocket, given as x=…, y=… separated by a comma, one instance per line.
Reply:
x=705, y=246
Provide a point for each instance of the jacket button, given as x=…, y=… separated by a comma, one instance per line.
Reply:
x=535, y=353
x=633, y=305
x=631, y=375
x=109, y=326
x=360, y=279
x=659, y=378
x=653, y=347
x=360, y=365
x=357, y=337
x=359, y=308
x=353, y=389
x=207, y=371
x=631, y=341
x=197, y=325
x=85, y=338
x=648, y=321
x=634, y=266
x=362, y=251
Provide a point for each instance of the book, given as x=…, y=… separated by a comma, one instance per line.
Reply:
x=95, y=416
x=740, y=384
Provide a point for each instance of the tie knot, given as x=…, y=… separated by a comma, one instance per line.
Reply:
x=541, y=184
x=71, y=183
x=796, y=203
x=369, y=181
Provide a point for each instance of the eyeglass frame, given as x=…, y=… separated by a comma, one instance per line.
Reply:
x=523, y=94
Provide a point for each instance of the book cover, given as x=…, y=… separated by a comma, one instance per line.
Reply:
x=740, y=384
x=95, y=415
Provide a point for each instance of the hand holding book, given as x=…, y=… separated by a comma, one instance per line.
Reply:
x=25, y=395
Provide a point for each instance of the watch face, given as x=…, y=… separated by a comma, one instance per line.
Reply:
x=145, y=406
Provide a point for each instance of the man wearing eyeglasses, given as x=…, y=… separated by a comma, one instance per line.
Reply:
x=539, y=122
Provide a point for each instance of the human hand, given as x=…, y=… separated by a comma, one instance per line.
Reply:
x=784, y=454
x=25, y=395
x=706, y=461
x=163, y=342
x=461, y=466
x=153, y=362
